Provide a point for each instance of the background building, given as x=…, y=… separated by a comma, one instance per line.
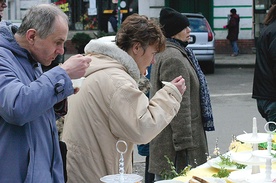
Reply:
x=91, y=16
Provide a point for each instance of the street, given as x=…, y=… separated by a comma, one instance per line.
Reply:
x=233, y=108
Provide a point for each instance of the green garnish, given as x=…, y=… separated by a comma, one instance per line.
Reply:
x=264, y=146
x=222, y=173
x=172, y=173
x=226, y=161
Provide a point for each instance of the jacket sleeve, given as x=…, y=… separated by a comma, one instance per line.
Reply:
x=134, y=118
x=24, y=98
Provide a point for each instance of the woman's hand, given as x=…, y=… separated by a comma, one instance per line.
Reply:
x=179, y=82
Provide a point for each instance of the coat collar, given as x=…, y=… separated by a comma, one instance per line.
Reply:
x=112, y=50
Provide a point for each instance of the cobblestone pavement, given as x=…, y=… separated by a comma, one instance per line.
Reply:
x=139, y=169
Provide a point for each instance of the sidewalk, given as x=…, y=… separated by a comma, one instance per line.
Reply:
x=242, y=60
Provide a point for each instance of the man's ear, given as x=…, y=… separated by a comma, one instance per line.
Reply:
x=31, y=35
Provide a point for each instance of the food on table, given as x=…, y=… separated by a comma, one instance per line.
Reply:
x=196, y=179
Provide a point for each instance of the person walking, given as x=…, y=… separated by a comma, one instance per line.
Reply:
x=184, y=140
x=110, y=105
x=113, y=22
x=31, y=100
x=264, y=82
x=233, y=27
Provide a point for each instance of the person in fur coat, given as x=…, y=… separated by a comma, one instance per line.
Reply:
x=111, y=106
x=183, y=141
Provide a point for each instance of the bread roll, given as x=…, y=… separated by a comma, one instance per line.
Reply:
x=196, y=179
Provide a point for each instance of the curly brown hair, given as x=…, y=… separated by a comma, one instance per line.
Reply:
x=138, y=28
x=271, y=15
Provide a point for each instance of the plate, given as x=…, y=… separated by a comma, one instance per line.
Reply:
x=246, y=176
x=128, y=178
x=249, y=138
x=216, y=163
x=169, y=181
x=213, y=180
x=264, y=154
x=247, y=158
x=77, y=82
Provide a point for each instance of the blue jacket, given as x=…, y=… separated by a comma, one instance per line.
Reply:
x=29, y=146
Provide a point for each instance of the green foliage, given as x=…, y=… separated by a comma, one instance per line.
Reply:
x=264, y=146
x=222, y=173
x=80, y=40
x=226, y=161
x=172, y=173
x=102, y=34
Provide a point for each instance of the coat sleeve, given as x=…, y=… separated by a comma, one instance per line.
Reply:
x=134, y=118
x=24, y=98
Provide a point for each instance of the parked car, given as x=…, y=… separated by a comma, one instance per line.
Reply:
x=202, y=41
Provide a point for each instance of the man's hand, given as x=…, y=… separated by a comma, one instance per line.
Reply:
x=179, y=82
x=76, y=66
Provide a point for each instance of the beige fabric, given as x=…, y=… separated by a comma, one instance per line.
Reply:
x=109, y=107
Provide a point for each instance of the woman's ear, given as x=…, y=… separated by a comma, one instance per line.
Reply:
x=136, y=48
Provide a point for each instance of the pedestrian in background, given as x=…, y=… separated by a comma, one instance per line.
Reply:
x=113, y=22
x=110, y=105
x=233, y=27
x=31, y=101
x=3, y=5
x=184, y=140
x=264, y=83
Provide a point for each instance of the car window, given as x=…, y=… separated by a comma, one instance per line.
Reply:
x=197, y=25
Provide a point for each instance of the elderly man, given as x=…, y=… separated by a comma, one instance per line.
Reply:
x=31, y=101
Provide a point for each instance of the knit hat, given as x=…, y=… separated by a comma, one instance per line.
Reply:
x=172, y=22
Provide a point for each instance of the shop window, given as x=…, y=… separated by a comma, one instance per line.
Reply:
x=261, y=4
x=89, y=22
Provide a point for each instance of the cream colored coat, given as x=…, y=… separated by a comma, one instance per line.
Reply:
x=110, y=107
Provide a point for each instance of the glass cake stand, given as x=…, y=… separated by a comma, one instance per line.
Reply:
x=255, y=157
x=122, y=177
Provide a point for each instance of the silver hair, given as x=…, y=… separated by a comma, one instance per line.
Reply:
x=41, y=18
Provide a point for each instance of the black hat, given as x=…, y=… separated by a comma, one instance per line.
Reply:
x=172, y=21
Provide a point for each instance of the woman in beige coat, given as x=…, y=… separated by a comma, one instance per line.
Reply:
x=110, y=107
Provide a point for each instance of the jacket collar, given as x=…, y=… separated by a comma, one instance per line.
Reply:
x=112, y=50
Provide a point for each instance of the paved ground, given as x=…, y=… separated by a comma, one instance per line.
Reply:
x=225, y=60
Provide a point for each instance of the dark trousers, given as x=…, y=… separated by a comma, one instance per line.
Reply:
x=63, y=151
x=149, y=177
